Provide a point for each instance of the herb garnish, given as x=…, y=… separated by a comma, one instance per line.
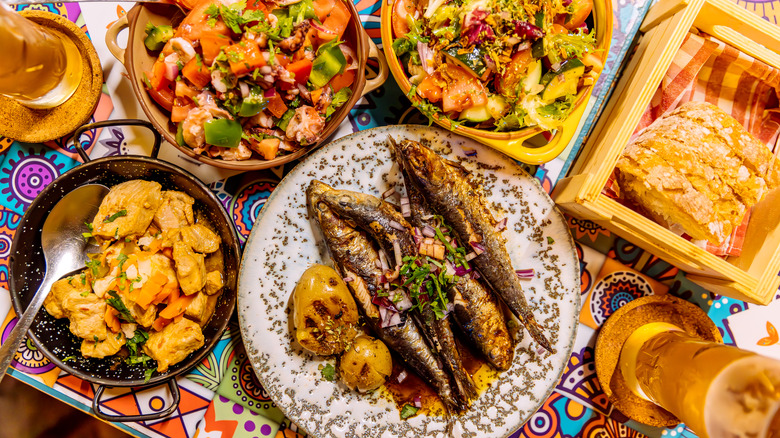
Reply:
x=328, y=372
x=115, y=216
x=408, y=411
x=116, y=302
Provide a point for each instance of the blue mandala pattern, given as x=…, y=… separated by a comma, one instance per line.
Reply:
x=614, y=291
x=27, y=169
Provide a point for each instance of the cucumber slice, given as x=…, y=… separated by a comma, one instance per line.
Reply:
x=534, y=76
x=473, y=61
x=562, y=82
x=476, y=113
x=497, y=106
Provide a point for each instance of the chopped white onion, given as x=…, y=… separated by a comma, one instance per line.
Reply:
x=501, y=225
x=406, y=210
x=348, y=279
x=397, y=226
x=428, y=231
x=397, y=252
x=244, y=87
x=402, y=376
x=470, y=256
x=388, y=193
x=383, y=260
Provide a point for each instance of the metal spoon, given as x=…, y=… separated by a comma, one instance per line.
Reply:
x=64, y=250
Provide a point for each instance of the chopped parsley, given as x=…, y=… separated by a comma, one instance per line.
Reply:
x=115, y=216
x=339, y=99
x=408, y=411
x=89, y=225
x=328, y=373
x=69, y=358
x=134, y=344
x=94, y=266
x=116, y=302
x=550, y=240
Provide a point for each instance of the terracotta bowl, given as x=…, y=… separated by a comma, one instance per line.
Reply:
x=512, y=143
x=137, y=59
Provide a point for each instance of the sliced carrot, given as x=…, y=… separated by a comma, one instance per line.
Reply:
x=111, y=319
x=177, y=307
x=315, y=95
x=150, y=289
x=174, y=295
x=178, y=318
x=343, y=80
x=168, y=252
x=160, y=323
x=165, y=293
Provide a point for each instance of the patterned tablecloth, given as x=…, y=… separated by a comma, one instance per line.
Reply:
x=222, y=397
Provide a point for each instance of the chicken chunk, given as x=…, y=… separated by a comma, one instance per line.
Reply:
x=85, y=312
x=108, y=347
x=201, y=308
x=127, y=209
x=59, y=290
x=190, y=268
x=171, y=345
x=175, y=211
x=200, y=238
x=214, y=282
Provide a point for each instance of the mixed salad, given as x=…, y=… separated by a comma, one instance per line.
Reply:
x=496, y=64
x=252, y=77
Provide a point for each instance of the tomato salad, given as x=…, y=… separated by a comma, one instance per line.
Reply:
x=252, y=77
x=496, y=64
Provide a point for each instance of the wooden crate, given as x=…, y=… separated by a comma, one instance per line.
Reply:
x=753, y=276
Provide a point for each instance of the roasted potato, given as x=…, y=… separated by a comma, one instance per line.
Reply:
x=325, y=315
x=366, y=365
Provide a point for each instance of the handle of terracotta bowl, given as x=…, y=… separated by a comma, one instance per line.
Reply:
x=381, y=76
x=172, y=385
x=118, y=122
x=111, y=35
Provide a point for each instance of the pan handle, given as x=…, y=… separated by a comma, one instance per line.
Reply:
x=118, y=122
x=172, y=385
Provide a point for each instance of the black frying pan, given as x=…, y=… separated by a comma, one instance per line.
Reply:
x=27, y=267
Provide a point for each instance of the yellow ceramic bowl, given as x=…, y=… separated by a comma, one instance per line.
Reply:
x=512, y=143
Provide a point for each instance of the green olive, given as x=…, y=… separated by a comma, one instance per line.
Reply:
x=325, y=315
x=366, y=365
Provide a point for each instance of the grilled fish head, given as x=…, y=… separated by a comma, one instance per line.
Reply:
x=351, y=204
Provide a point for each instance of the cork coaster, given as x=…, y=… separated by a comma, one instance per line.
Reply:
x=615, y=332
x=38, y=125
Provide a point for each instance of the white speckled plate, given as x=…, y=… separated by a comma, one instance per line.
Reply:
x=282, y=245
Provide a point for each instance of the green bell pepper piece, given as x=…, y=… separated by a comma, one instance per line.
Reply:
x=328, y=63
x=223, y=132
x=180, y=135
x=252, y=104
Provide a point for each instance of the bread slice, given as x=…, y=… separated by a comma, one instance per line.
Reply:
x=698, y=168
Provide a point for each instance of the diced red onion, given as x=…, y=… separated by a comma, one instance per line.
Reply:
x=397, y=225
x=478, y=248
x=417, y=401
x=382, y=279
x=584, y=27
x=388, y=193
x=349, y=55
x=470, y=256
x=428, y=231
x=402, y=376
x=566, y=2
x=401, y=300
x=244, y=87
x=270, y=93
x=397, y=251
x=525, y=273
x=426, y=54
x=383, y=261
x=406, y=210
x=528, y=30
x=555, y=66
x=348, y=279
x=475, y=275
x=171, y=71
x=450, y=268
x=501, y=225
x=389, y=318
x=540, y=351
x=461, y=271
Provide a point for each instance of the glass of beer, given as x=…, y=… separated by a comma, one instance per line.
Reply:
x=41, y=69
x=717, y=390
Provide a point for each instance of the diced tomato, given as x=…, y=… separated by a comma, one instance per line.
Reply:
x=256, y=5
x=343, y=80
x=463, y=90
x=429, y=89
x=300, y=70
x=244, y=57
x=401, y=9
x=183, y=90
x=267, y=148
x=276, y=105
x=164, y=97
x=197, y=22
x=282, y=59
x=515, y=72
x=157, y=79
x=180, y=111
x=212, y=43
x=196, y=72
x=322, y=8
x=336, y=21
x=581, y=10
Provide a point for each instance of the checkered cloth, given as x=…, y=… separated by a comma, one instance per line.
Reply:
x=706, y=69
